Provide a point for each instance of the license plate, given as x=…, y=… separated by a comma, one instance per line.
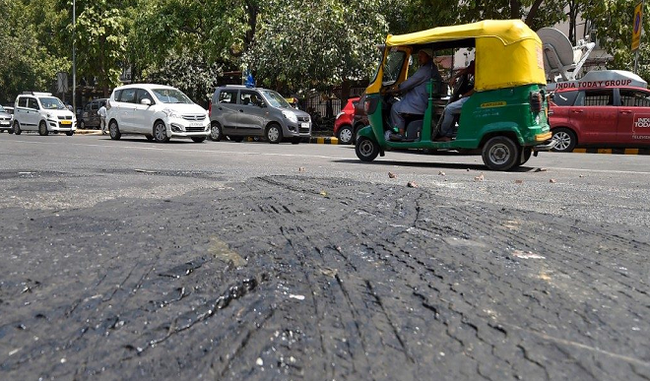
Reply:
x=196, y=124
x=66, y=122
x=5, y=124
x=304, y=125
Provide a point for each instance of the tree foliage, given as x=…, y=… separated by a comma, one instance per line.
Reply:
x=306, y=44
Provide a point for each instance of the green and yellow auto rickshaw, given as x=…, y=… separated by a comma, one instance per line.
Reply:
x=504, y=120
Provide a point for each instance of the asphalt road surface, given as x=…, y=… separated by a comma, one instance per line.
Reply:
x=135, y=260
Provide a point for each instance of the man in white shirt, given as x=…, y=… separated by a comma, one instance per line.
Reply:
x=102, y=119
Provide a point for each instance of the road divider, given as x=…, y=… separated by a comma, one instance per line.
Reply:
x=614, y=151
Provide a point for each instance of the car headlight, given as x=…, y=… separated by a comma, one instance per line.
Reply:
x=291, y=116
x=170, y=113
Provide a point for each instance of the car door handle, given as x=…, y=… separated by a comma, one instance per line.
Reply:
x=625, y=112
x=577, y=111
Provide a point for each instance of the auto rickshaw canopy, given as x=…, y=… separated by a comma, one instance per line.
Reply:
x=508, y=52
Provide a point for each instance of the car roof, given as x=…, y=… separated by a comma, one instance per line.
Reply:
x=600, y=88
x=148, y=86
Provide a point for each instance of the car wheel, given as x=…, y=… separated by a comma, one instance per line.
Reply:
x=216, y=134
x=42, y=128
x=149, y=137
x=82, y=125
x=69, y=133
x=160, y=132
x=198, y=140
x=17, y=129
x=565, y=140
x=345, y=135
x=366, y=149
x=274, y=133
x=114, y=130
x=500, y=153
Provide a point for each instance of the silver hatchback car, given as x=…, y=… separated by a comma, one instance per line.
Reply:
x=238, y=112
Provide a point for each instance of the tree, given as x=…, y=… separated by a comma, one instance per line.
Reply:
x=302, y=45
x=30, y=61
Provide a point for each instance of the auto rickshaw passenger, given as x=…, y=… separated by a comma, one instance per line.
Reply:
x=414, y=100
x=463, y=82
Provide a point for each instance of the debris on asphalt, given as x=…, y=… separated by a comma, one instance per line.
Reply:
x=441, y=173
x=541, y=169
x=259, y=361
x=411, y=184
x=323, y=193
x=527, y=255
x=552, y=181
x=299, y=297
x=479, y=177
x=391, y=175
x=519, y=181
x=144, y=171
x=301, y=169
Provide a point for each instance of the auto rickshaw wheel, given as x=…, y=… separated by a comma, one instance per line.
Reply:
x=366, y=149
x=500, y=153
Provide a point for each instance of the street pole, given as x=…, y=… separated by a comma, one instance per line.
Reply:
x=74, y=58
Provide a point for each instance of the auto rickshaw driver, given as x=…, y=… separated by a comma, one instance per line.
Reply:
x=415, y=98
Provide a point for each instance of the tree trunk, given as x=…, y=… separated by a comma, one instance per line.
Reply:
x=533, y=12
x=514, y=9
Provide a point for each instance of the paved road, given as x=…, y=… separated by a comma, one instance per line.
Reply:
x=229, y=261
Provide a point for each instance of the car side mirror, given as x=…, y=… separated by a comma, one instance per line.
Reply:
x=146, y=102
x=262, y=104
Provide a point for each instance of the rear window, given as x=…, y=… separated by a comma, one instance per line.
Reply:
x=565, y=98
x=635, y=98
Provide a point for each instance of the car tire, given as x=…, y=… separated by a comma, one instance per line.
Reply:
x=199, y=140
x=366, y=149
x=69, y=133
x=565, y=139
x=82, y=125
x=500, y=154
x=114, y=130
x=345, y=134
x=160, y=132
x=17, y=129
x=42, y=128
x=216, y=133
x=274, y=133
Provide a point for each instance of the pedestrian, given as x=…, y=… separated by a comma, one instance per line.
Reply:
x=102, y=118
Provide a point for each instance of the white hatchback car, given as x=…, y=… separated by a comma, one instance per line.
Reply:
x=156, y=111
x=42, y=112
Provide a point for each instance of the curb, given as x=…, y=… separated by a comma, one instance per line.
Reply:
x=614, y=151
x=323, y=140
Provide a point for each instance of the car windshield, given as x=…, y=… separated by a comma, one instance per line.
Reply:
x=2, y=109
x=52, y=103
x=275, y=99
x=171, y=96
x=393, y=67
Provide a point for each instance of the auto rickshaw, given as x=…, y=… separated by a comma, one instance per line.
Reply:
x=505, y=120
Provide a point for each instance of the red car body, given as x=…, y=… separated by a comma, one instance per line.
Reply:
x=343, y=125
x=609, y=116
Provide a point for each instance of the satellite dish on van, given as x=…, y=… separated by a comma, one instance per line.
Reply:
x=562, y=60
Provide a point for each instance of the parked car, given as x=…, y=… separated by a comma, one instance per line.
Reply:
x=42, y=112
x=158, y=112
x=608, y=116
x=6, y=120
x=89, y=117
x=343, y=128
x=238, y=111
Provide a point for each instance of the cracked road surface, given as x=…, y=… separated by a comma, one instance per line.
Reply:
x=302, y=277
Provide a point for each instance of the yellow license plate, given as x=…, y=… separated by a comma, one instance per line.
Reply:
x=66, y=122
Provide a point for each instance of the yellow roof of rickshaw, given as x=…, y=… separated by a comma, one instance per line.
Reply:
x=508, y=31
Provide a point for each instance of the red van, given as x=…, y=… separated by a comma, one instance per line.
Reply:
x=343, y=129
x=607, y=116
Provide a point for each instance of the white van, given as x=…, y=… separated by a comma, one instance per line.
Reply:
x=156, y=111
x=44, y=113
